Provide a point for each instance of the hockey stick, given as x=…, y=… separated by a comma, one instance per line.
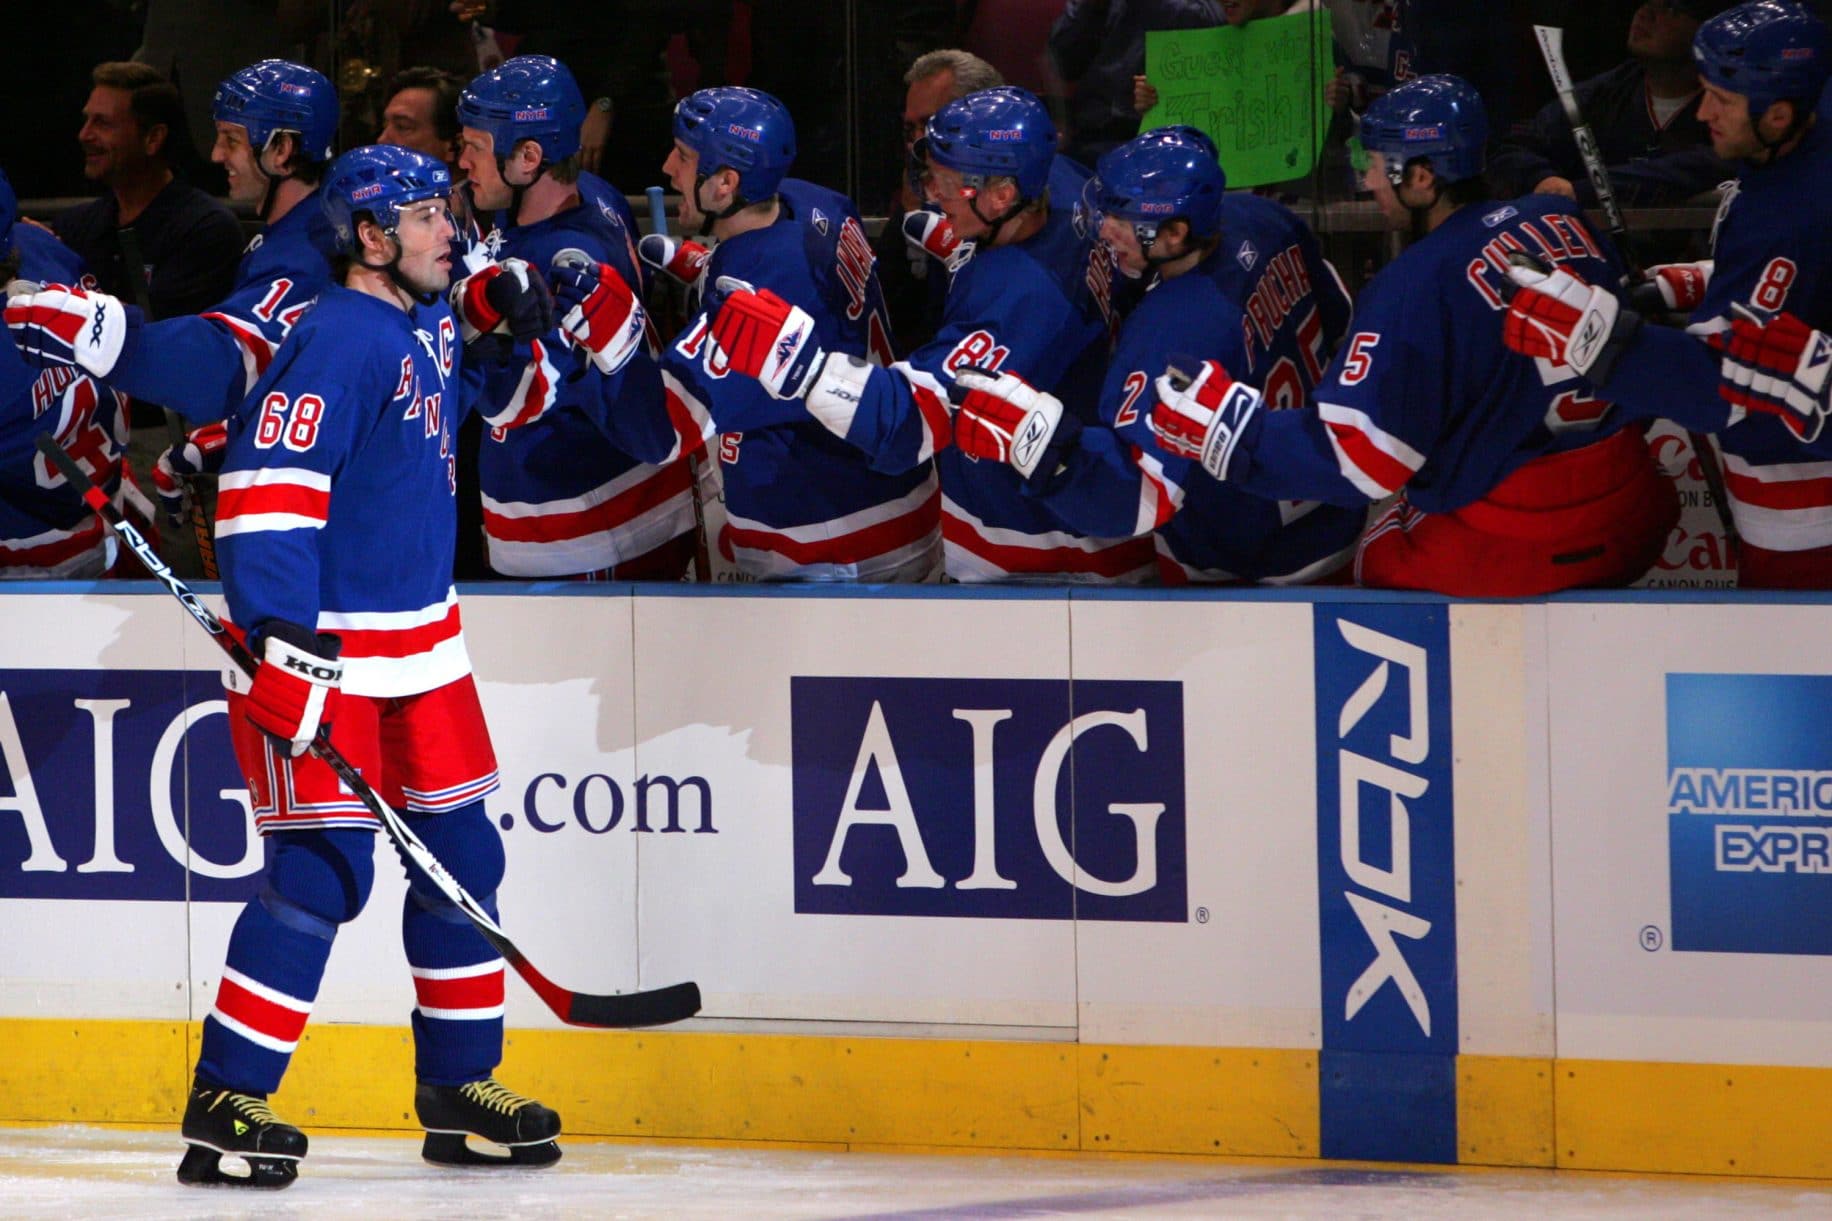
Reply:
x=1551, y=40
x=702, y=547
x=654, y=1007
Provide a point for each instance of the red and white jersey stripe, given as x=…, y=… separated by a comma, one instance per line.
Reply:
x=400, y=652
x=256, y=348
x=1781, y=507
x=616, y=521
x=897, y=541
x=1375, y=461
x=975, y=551
x=271, y=498
x=264, y=1016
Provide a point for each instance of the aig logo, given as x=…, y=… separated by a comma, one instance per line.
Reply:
x=999, y=798
x=1385, y=859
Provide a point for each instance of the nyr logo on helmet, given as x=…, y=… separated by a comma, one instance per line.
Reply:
x=533, y=115
x=296, y=89
x=990, y=798
x=1152, y=207
x=1433, y=132
x=1005, y=134
x=1749, y=813
x=366, y=192
x=752, y=134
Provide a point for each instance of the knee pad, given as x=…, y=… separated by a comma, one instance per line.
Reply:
x=318, y=880
x=466, y=842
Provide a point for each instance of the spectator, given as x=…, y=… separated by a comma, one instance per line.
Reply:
x=1099, y=46
x=421, y=113
x=1643, y=113
x=152, y=238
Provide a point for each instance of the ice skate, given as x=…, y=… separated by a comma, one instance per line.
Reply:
x=222, y=1123
x=490, y=1111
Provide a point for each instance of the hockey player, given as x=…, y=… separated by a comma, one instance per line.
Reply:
x=42, y=528
x=801, y=503
x=1514, y=479
x=588, y=491
x=1763, y=66
x=1235, y=276
x=1033, y=301
x=335, y=530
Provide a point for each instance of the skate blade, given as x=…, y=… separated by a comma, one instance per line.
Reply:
x=451, y=1149
x=203, y=1167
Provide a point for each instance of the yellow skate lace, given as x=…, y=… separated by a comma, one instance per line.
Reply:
x=251, y=1107
x=494, y=1094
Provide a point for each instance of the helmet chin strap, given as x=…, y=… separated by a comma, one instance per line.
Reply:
x=1803, y=116
x=993, y=226
x=273, y=180
x=392, y=269
x=707, y=216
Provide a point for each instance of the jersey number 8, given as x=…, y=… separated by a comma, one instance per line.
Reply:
x=300, y=433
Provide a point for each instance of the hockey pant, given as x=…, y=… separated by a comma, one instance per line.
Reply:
x=429, y=757
x=1596, y=516
x=1761, y=568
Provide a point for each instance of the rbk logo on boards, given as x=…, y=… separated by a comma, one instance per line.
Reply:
x=1002, y=798
x=1749, y=812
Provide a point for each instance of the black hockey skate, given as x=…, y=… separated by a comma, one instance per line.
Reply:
x=219, y=1123
x=492, y=1112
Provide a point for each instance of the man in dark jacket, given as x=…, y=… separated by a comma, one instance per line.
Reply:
x=1099, y=46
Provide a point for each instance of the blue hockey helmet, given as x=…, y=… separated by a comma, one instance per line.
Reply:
x=1160, y=176
x=995, y=133
x=1439, y=117
x=277, y=95
x=9, y=212
x=1769, y=51
x=1195, y=135
x=530, y=97
x=747, y=130
x=379, y=179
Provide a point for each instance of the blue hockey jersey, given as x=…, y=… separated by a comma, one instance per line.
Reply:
x=597, y=480
x=1771, y=248
x=1041, y=309
x=203, y=366
x=801, y=503
x=336, y=503
x=45, y=528
x=1423, y=395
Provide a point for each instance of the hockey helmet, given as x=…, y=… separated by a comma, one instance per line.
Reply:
x=1160, y=176
x=379, y=179
x=277, y=95
x=747, y=130
x=1769, y=51
x=995, y=133
x=530, y=97
x=1439, y=117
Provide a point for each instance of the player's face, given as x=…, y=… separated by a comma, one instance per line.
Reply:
x=477, y=159
x=947, y=190
x=681, y=169
x=407, y=120
x=1726, y=115
x=240, y=161
x=1381, y=187
x=1123, y=241
x=425, y=233
x=110, y=137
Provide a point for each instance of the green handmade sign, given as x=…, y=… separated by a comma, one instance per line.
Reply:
x=1257, y=90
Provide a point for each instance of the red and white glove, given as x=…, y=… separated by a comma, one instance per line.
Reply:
x=1004, y=419
x=201, y=454
x=295, y=687
x=1555, y=315
x=60, y=326
x=931, y=235
x=1673, y=288
x=598, y=312
x=1203, y=419
x=509, y=296
x=1778, y=364
x=760, y=335
x=680, y=258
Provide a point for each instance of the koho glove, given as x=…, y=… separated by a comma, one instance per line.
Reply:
x=295, y=687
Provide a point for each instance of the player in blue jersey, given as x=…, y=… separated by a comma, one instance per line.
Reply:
x=592, y=489
x=1514, y=479
x=42, y=528
x=1763, y=67
x=801, y=504
x=336, y=532
x=1034, y=301
x=1236, y=277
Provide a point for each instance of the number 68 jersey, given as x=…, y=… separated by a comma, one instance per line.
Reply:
x=336, y=501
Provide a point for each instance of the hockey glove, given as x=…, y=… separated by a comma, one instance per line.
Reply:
x=295, y=686
x=1555, y=315
x=760, y=335
x=930, y=235
x=61, y=325
x=201, y=454
x=509, y=295
x=1671, y=288
x=677, y=257
x=1203, y=419
x=1005, y=420
x=1778, y=364
x=598, y=313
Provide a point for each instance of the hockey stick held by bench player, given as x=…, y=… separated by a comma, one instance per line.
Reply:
x=654, y=1007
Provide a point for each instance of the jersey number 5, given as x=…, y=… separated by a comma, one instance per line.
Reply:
x=294, y=422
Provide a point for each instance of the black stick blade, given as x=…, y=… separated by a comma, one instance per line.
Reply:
x=656, y=1007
